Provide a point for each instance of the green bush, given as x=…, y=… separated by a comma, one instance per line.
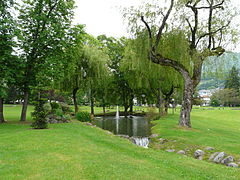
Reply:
x=65, y=108
x=54, y=105
x=39, y=115
x=59, y=112
x=83, y=116
x=47, y=107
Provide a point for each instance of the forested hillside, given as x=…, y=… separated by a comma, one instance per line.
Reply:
x=215, y=70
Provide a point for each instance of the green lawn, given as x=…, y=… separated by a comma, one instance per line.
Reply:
x=217, y=128
x=77, y=151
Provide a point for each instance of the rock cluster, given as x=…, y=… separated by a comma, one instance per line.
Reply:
x=222, y=158
x=54, y=119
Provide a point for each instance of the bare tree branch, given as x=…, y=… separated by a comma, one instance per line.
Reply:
x=213, y=32
x=158, y=37
x=149, y=31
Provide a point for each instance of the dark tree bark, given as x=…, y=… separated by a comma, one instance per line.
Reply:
x=74, y=94
x=126, y=110
x=131, y=109
x=1, y=111
x=104, y=109
x=24, y=106
x=92, y=104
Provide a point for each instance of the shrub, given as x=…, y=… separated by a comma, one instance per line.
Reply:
x=65, y=108
x=59, y=112
x=54, y=105
x=47, y=107
x=39, y=115
x=83, y=116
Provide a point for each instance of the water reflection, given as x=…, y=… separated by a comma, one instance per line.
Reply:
x=133, y=127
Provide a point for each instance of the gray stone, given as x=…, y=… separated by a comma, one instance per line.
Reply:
x=209, y=148
x=198, y=154
x=154, y=135
x=89, y=124
x=170, y=150
x=213, y=156
x=227, y=160
x=123, y=136
x=162, y=141
x=232, y=165
x=181, y=152
x=219, y=157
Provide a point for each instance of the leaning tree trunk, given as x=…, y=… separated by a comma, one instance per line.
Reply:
x=24, y=106
x=186, y=103
x=75, y=99
x=1, y=111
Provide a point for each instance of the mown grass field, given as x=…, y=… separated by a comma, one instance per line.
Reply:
x=77, y=151
x=213, y=127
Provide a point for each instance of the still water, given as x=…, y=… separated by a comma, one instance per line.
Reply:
x=136, y=127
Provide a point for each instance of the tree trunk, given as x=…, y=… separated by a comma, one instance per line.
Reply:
x=24, y=106
x=159, y=102
x=126, y=110
x=74, y=94
x=186, y=103
x=1, y=111
x=166, y=104
x=104, y=109
x=92, y=105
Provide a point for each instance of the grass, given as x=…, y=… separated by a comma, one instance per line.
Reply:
x=216, y=128
x=77, y=151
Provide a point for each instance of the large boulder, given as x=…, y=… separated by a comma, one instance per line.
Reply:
x=170, y=150
x=181, y=152
x=219, y=157
x=198, y=154
x=209, y=148
x=213, y=156
x=227, y=160
x=233, y=165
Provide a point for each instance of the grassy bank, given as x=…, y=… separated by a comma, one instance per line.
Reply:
x=77, y=151
x=210, y=127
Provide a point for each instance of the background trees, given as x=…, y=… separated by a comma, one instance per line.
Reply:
x=43, y=28
x=8, y=59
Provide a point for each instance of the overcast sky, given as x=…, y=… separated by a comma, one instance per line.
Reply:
x=104, y=16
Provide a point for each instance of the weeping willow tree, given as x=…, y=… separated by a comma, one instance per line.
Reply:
x=85, y=65
x=151, y=78
x=205, y=27
x=96, y=71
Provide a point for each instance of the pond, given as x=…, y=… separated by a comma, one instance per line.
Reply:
x=137, y=128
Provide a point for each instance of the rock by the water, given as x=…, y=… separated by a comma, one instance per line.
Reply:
x=123, y=136
x=233, y=165
x=181, y=152
x=227, y=160
x=219, y=157
x=213, y=156
x=154, y=135
x=198, y=154
x=209, y=148
x=170, y=150
x=89, y=124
